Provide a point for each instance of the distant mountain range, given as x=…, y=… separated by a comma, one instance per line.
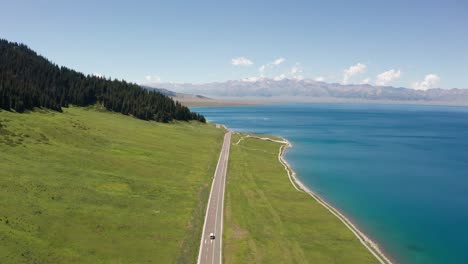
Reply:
x=310, y=89
x=173, y=94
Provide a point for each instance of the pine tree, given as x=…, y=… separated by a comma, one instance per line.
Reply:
x=28, y=80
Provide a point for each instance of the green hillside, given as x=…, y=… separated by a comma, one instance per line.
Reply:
x=91, y=186
x=268, y=221
x=29, y=80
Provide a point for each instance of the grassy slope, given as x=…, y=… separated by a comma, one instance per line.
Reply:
x=98, y=187
x=268, y=221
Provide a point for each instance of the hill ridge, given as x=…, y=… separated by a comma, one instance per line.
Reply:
x=29, y=80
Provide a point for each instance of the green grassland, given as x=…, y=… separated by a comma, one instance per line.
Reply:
x=90, y=186
x=268, y=221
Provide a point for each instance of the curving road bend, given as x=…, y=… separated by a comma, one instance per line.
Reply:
x=211, y=249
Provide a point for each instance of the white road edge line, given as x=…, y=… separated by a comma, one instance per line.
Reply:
x=216, y=210
x=222, y=204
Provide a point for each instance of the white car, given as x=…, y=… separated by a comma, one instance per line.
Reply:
x=212, y=236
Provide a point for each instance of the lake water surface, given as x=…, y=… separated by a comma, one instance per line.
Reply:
x=400, y=172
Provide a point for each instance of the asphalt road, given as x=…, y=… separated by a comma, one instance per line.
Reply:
x=211, y=249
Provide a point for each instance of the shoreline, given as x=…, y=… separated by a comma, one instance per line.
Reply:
x=368, y=243
x=372, y=246
x=249, y=101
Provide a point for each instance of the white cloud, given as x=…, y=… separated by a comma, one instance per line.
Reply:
x=279, y=77
x=366, y=81
x=262, y=70
x=152, y=78
x=270, y=65
x=353, y=70
x=296, y=72
x=98, y=75
x=251, y=79
x=430, y=81
x=278, y=61
x=385, y=77
x=319, y=79
x=241, y=61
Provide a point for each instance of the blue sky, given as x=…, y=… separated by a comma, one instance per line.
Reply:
x=418, y=44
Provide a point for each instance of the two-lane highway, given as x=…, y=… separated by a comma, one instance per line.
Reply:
x=211, y=249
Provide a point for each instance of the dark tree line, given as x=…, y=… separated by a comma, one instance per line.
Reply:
x=28, y=80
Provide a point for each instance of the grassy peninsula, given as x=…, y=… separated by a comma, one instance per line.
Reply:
x=268, y=221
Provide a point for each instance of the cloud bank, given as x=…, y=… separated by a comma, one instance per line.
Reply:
x=352, y=71
x=270, y=65
x=386, y=77
x=241, y=61
x=430, y=81
x=152, y=78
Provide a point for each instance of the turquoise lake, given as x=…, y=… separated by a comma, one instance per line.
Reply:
x=399, y=172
